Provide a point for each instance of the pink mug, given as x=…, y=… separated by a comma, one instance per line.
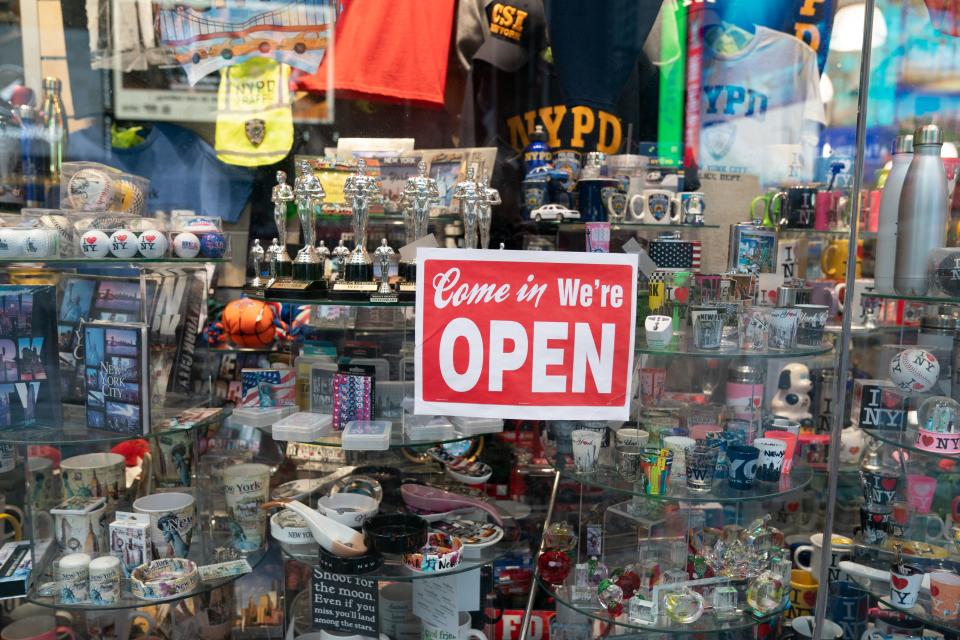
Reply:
x=35, y=628
x=920, y=492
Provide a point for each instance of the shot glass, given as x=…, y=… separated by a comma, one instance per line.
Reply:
x=701, y=467
x=627, y=459
x=655, y=465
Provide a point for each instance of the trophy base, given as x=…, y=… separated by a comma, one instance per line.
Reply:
x=408, y=271
x=407, y=292
x=358, y=273
x=296, y=289
x=384, y=298
x=308, y=271
x=284, y=269
x=353, y=291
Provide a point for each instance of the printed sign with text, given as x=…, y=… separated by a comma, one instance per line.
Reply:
x=525, y=334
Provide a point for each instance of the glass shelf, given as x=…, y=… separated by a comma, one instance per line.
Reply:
x=608, y=479
x=75, y=432
x=326, y=302
x=931, y=299
x=682, y=345
x=906, y=439
x=707, y=624
x=826, y=232
x=398, y=439
x=623, y=224
x=202, y=550
x=119, y=262
x=921, y=611
x=394, y=570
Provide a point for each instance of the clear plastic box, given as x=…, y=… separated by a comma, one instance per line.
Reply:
x=303, y=427
x=194, y=236
x=91, y=186
x=366, y=435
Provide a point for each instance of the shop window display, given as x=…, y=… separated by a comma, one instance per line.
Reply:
x=279, y=360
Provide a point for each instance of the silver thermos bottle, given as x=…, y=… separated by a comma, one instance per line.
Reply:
x=922, y=223
x=889, y=206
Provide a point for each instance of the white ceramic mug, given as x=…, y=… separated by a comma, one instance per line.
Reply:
x=840, y=550
x=82, y=532
x=172, y=518
x=94, y=475
x=629, y=437
x=396, y=608
x=657, y=206
x=464, y=632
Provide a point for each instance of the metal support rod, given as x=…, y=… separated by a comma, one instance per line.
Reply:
x=525, y=622
x=843, y=360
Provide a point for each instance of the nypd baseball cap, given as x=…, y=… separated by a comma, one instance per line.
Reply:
x=515, y=31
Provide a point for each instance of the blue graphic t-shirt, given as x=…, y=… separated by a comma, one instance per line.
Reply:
x=184, y=171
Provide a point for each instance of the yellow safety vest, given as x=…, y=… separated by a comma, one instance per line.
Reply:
x=254, y=114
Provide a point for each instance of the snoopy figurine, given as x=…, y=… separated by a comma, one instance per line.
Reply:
x=792, y=399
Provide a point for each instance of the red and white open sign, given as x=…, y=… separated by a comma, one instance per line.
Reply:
x=525, y=334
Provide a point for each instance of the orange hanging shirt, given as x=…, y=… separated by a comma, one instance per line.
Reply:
x=395, y=50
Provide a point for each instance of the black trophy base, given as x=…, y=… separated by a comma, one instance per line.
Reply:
x=407, y=292
x=296, y=290
x=307, y=271
x=284, y=269
x=408, y=271
x=360, y=273
x=352, y=291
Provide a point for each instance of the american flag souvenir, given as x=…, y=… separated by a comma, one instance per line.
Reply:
x=676, y=254
x=268, y=387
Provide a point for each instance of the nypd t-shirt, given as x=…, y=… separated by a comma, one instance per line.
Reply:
x=760, y=109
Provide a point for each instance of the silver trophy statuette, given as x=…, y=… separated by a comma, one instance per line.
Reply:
x=272, y=252
x=383, y=254
x=418, y=194
x=361, y=191
x=281, y=196
x=256, y=257
x=310, y=195
x=490, y=197
x=468, y=194
x=323, y=253
x=340, y=256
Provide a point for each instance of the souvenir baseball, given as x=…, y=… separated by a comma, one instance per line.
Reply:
x=90, y=190
x=123, y=243
x=127, y=197
x=95, y=244
x=186, y=245
x=200, y=225
x=39, y=243
x=914, y=370
x=11, y=242
x=106, y=222
x=152, y=244
x=63, y=227
x=212, y=245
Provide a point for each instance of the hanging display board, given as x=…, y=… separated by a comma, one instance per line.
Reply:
x=525, y=334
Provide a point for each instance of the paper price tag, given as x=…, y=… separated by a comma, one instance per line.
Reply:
x=435, y=603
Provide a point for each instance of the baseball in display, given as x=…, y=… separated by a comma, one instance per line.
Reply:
x=95, y=244
x=212, y=245
x=152, y=244
x=201, y=224
x=90, y=190
x=128, y=197
x=63, y=227
x=915, y=370
x=11, y=243
x=123, y=243
x=186, y=245
x=39, y=243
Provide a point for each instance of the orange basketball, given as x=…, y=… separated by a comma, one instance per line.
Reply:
x=248, y=323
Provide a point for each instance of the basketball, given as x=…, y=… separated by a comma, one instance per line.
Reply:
x=249, y=323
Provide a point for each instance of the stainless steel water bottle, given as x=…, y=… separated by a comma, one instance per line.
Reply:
x=922, y=220
x=889, y=205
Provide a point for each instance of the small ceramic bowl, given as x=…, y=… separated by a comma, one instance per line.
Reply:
x=351, y=509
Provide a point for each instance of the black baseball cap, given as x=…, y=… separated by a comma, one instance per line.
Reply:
x=514, y=32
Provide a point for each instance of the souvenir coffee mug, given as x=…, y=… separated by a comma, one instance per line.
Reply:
x=796, y=207
x=654, y=206
x=172, y=518
x=247, y=486
x=94, y=475
x=690, y=206
x=840, y=550
x=464, y=632
x=833, y=260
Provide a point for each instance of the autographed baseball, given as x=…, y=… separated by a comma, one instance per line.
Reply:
x=40, y=243
x=914, y=370
x=11, y=242
x=90, y=190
